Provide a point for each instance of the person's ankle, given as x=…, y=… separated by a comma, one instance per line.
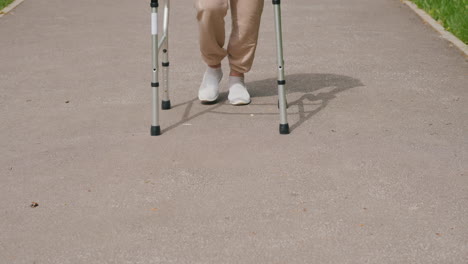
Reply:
x=236, y=74
x=215, y=66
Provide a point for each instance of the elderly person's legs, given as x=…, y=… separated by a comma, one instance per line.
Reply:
x=246, y=16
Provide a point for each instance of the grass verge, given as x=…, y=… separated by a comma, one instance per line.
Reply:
x=451, y=14
x=4, y=3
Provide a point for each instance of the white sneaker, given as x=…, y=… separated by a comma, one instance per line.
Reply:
x=238, y=94
x=209, y=88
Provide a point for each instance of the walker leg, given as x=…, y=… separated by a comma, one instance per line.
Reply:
x=284, y=126
x=155, y=128
x=166, y=102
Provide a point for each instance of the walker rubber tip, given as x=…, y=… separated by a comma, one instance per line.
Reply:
x=284, y=129
x=155, y=130
x=166, y=105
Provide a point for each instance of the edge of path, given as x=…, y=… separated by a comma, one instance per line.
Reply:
x=439, y=28
x=10, y=7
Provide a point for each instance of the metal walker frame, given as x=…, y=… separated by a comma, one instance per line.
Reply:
x=162, y=44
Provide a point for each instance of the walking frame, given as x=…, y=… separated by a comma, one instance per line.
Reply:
x=162, y=44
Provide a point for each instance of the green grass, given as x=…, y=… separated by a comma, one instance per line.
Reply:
x=4, y=3
x=452, y=14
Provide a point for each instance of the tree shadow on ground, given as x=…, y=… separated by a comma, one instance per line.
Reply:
x=315, y=89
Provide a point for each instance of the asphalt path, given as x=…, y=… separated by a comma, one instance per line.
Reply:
x=374, y=171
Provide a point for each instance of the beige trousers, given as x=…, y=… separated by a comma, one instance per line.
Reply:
x=246, y=16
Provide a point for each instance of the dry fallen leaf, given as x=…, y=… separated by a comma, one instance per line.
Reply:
x=34, y=205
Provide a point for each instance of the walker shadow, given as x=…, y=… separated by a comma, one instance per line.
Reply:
x=316, y=89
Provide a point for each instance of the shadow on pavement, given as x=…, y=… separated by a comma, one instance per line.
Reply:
x=315, y=89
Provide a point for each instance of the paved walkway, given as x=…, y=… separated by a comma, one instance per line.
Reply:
x=375, y=170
